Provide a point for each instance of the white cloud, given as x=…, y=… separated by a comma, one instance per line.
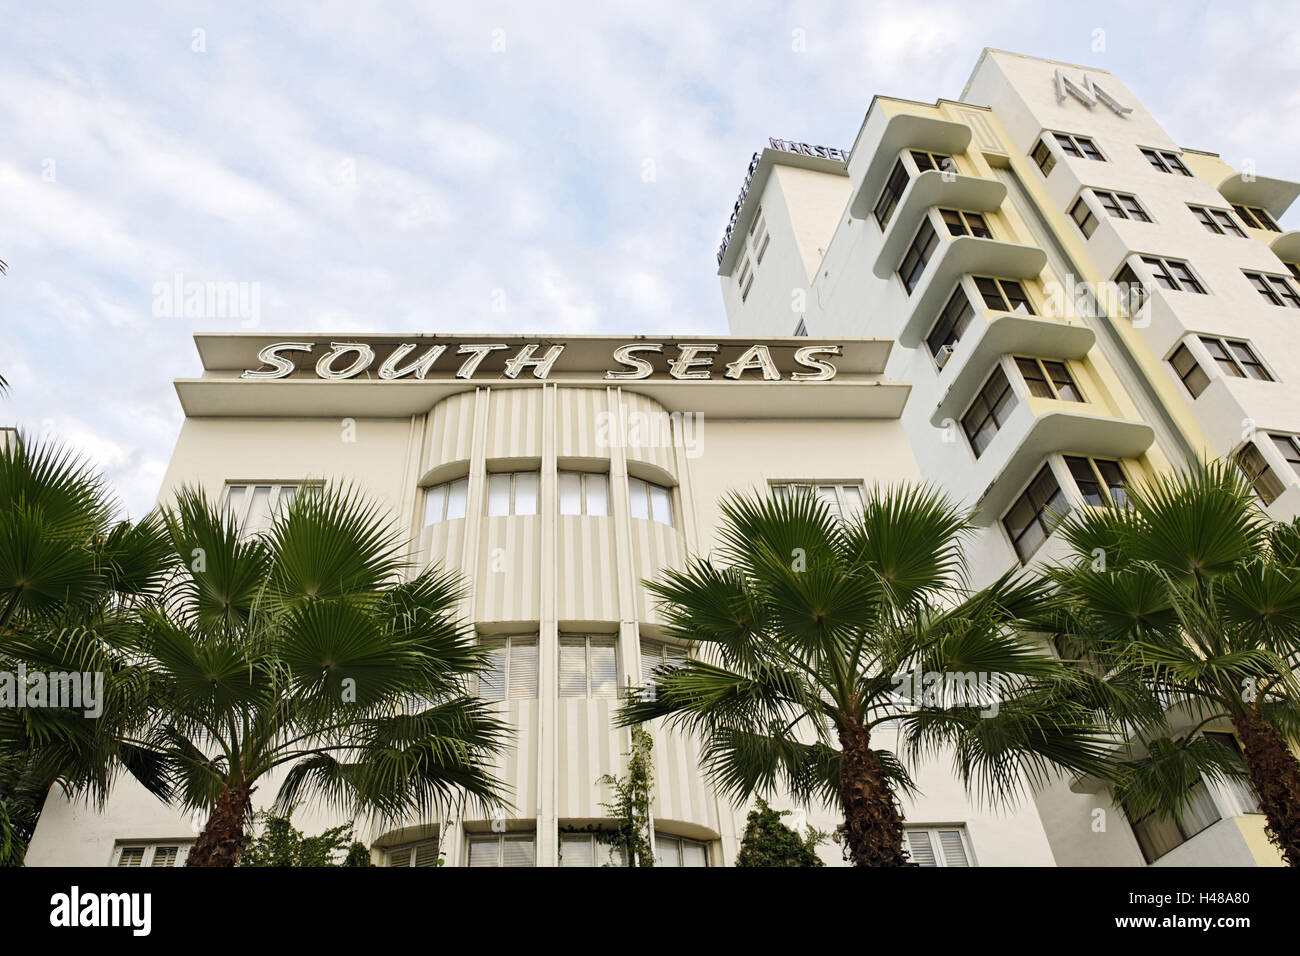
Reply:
x=383, y=168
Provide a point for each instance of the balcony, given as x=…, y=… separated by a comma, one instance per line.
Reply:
x=1005, y=333
x=1274, y=195
x=955, y=258
x=1076, y=432
x=904, y=131
x=1287, y=246
x=970, y=193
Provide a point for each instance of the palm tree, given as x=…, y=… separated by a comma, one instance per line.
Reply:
x=303, y=652
x=806, y=624
x=71, y=577
x=1188, y=598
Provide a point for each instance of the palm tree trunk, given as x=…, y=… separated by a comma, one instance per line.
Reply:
x=873, y=825
x=1275, y=774
x=222, y=839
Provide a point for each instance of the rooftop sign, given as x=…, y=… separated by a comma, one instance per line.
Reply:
x=683, y=361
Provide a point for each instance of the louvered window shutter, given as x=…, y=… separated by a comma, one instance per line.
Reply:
x=164, y=856
x=484, y=851
x=426, y=854
x=131, y=856
x=919, y=848
x=650, y=659
x=604, y=668
x=399, y=856
x=518, y=851
x=954, y=848
x=492, y=678
x=523, y=668
x=576, y=850
x=573, y=667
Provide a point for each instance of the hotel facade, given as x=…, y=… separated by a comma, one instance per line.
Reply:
x=1030, y=297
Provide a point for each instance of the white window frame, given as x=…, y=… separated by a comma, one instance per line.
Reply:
x=934, y=834
x=586, y=480
x=241, y=511
x=838, y=495
x=412, y=850
x=513, y=498
x=587, y=641
x=639, y=488
x=438, y=498
x=662, y=840
x=613, y=855
x=501, y=839
x=510, y=643
x=655, y=653
x=149, y=850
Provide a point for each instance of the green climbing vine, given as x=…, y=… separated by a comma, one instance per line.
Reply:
x=631, y=804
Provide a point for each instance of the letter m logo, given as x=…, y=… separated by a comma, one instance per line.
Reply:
x=1088, y=92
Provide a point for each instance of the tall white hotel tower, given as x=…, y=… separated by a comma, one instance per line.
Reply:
x=908, y=310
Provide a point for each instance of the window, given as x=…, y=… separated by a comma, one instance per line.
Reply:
x=1174, y=274
x=446, y=502
x=961, y=223
x=588, y=667
x=1035, y=514
x=1157, y=834
x=1100, y=481
x=939, y=162
x=759, y=237
x=502, y=849
x=1080, y=147
x=255, y=507
x=511, y=670
x=989, y=411
x=1132, y=293
x=1240, y=787
x=801, y=328
x=587, y=849
x=655, y=654
x=918, y=255
x=1294, y=269
x=951, y=324
x=745, y=278
x=648, y=500
x=841, y=500
x=676, y=851
x=1257, y=218
x=171, y=853
x=1164, y=161
x=1289, y=447
x=1048, y=379
x=512, y=493
x=1121, y=205
x=937, y=846
x=1004, y=295
x=1083, y=218
x=1276, y=289
x=1189, y=370
x=891, y=194
x=583, y=493
x=1235, y=358
x=1217, y=221
x=424, y=853
x=1256, y=468
x=1042, y=156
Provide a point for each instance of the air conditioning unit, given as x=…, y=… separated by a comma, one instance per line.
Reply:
x=941, y=357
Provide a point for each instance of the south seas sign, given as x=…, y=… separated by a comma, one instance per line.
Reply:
x=685, y=361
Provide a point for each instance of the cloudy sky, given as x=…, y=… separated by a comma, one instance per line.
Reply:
x=394, y=166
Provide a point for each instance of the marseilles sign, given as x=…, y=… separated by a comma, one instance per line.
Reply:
x=685, y=361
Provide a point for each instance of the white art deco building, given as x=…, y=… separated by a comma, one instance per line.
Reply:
x=929, y=276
